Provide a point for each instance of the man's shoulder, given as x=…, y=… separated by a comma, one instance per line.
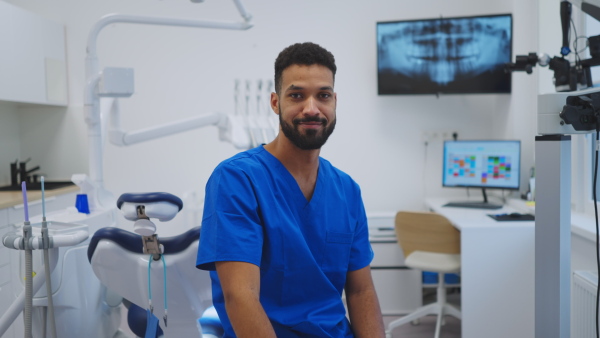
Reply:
x=335, y=172
x=243, y=160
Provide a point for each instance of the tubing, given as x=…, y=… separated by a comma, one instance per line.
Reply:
x=28, y=283
x=49, y=295
x=50, y=312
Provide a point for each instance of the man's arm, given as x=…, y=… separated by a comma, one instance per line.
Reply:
x=240, y=282
x=363, y=305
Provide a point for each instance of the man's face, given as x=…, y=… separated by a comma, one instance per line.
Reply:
x=306, y=105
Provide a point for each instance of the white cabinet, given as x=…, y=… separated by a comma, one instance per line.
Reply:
x=32, y=61
x=16, y=213
x=6, y=297
x=399, y=288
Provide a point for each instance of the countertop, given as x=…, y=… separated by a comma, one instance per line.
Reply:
x=11, y=198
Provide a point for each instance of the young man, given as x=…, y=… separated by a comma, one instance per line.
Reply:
x=284, y=229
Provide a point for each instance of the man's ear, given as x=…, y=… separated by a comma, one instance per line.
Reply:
x=275, y=103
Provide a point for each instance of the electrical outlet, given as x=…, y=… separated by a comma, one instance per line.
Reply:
x=428, y=136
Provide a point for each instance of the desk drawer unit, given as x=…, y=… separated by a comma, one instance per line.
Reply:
x=399, y=289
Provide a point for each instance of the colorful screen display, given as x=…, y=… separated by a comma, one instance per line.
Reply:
x=445, y=55
x=485, y=164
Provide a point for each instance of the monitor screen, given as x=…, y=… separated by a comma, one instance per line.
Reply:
x=482, y=164
x=445, y=55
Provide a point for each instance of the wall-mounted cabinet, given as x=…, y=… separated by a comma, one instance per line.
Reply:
x=32, y=58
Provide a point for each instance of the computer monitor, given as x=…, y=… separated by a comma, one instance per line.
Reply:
x=459, y=55
x=485, y=164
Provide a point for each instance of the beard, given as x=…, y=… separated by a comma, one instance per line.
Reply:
x=312, y=139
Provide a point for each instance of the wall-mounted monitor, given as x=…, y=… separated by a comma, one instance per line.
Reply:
x=461, y=55
x=487, y=164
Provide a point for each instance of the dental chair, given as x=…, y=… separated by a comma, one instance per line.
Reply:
x=121, y=259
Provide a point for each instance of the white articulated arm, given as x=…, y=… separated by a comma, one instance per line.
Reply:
x=121, y=138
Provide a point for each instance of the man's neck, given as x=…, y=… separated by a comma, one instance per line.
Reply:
x=302, y=164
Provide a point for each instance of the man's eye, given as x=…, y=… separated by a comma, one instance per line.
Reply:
x=295, y=95
x=325, y=95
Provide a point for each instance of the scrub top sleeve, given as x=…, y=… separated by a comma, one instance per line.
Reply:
x=361, y=253
x=231, y=228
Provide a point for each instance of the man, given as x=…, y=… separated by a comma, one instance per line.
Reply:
x=284, y=229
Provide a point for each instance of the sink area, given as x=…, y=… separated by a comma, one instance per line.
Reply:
x=48, y=185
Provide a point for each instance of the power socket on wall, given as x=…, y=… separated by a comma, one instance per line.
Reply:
x=429, y=136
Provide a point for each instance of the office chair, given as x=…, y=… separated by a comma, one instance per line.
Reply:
x=429, y=243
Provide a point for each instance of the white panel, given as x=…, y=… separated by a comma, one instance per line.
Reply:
x=4, y=254
x=26, y=39
x=7, y=44
x=583, y=323
x=3, y=218
x=56, y=80
x=387, y=254
x=16, y=214
x=399, y=290
x=28, y=61
x=53, y=39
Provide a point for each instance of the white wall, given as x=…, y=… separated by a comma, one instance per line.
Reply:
x=9, y=139
x=181, y=72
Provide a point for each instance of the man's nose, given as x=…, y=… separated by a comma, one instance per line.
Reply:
x=311, y=107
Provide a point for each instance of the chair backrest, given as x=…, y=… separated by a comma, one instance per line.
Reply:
x=426, y=231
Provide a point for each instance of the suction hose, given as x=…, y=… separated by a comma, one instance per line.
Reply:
x=50, y=313
x=28, y=282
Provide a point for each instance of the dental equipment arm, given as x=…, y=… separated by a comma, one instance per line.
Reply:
x=93, y=77
x=230, y=129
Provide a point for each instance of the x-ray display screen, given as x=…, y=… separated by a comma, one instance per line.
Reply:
x=485, y=164
x=446, y=55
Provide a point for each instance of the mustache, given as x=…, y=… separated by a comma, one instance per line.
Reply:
x=310, y=119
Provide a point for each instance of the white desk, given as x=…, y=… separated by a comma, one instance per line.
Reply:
x=497, y=272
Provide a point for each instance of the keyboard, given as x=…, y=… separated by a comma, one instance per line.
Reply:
x=473, y=205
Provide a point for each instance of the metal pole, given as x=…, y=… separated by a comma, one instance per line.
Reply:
x=553, y=236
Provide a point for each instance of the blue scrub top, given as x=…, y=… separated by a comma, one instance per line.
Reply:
x=255, y=212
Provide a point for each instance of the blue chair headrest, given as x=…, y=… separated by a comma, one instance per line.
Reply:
x=148, y=197
x=133, y=242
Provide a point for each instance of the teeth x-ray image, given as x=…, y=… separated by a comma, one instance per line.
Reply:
x=453, y=55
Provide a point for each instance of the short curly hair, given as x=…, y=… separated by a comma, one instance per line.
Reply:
x=306, y=53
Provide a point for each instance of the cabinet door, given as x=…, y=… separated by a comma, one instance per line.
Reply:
x=387, y=254
x=399, y=290
x=32, y=62
x=5, y=276
x=16, y=213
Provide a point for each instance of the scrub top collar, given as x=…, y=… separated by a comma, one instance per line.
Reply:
x=291, y=181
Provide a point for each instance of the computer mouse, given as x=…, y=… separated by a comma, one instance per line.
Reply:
x=514, y=215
